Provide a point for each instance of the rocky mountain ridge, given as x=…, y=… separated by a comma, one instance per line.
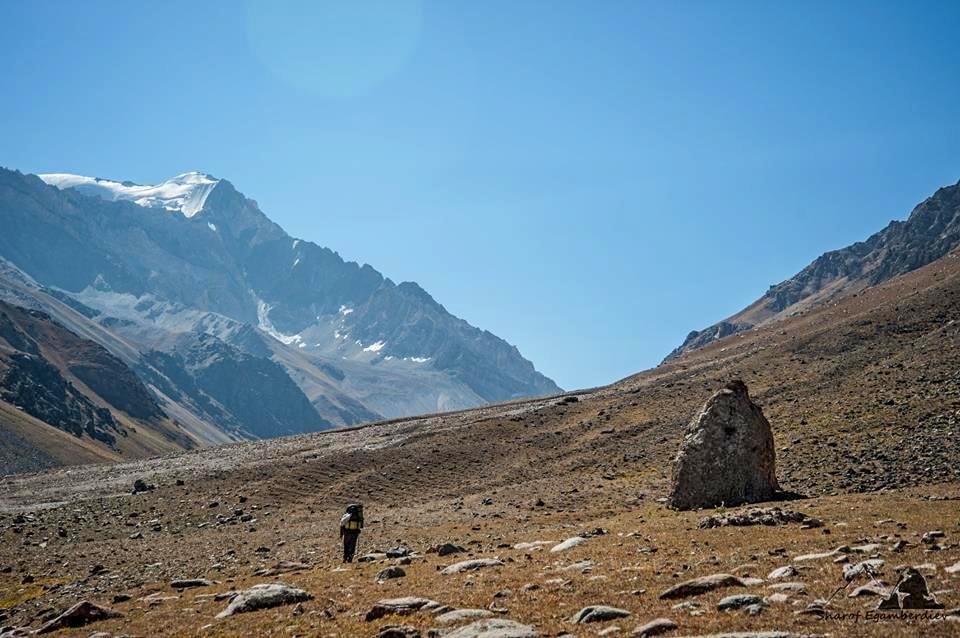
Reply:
x=151, y=271
x=931, y=231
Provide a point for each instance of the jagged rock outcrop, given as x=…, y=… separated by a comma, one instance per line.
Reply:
x=727, y=455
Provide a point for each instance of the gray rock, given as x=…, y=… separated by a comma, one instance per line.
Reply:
x=83, y=613
x=911, y=592
x=787, y=571
x=494, y=628
x=702, y=585
x=756, y=634
x=187, y=583
x=457, y=616
x=282, y=567
x=570, y=543
x=931, y=537
x=390, y=572
x=738, y=600
x=445, y=549
x=869, y=567
x=398, y=631
x=399, y=606
x=598, y=613
x=654, y=628
x=472, y=565
x=727, y=454
x=264, y=596
x=870, y=589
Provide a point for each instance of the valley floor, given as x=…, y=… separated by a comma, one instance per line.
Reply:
x=863, y=397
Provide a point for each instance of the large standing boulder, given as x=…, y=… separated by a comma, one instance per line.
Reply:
x=727, y=455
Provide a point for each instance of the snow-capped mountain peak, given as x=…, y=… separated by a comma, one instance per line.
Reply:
x=185, y=193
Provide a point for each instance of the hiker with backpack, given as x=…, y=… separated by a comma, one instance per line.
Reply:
x=350, y=525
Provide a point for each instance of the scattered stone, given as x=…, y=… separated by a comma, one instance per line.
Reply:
x=390, y=572
x=81, y=614
x=282, y=567
x=533, y=545
x=598, y=613
x=755, y=516
x=398, y=631
x=868, y=548
x=816, y=608
x=494, y=628
x=187, y=583
x=398, y=552
x=445, y=549
x=702, y=585
x=953, y=569
x=911, y=592
x=869, y=567
x=471, y=565
x=372, y=557
x=843, y=549
x=457, y=616
x=140, y=486
x=121, y=598
x=870, y=589
x=264, y=596
x=756, y=634
x=727, y=455
x=399, y=606
x=794, y=586
x=568, y=544
x=899, y=546
x=654, y=628
x=787, y=571
x=931, y=537
x=738, y=600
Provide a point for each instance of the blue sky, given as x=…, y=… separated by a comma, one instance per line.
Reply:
x=588, y=180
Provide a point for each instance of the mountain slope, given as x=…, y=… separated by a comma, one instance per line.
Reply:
x=931, y=231
x=173, y=255
x=76, y=386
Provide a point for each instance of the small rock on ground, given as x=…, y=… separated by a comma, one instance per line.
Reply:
x=472, y=565
x=702, y=585
x=460, y=615
x=598, y=613
x=738, y=600
x=654, y=628
x=83, y=613
x=494, y=628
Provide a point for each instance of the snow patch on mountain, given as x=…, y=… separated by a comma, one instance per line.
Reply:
x=264, y=323
x=375, y=347
x=184, y=193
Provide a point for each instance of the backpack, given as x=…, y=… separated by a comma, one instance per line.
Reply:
x=353, y=518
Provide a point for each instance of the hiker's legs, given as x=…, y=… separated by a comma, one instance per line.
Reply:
x=349, y=546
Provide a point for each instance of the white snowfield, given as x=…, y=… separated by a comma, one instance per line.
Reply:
x=184, y=193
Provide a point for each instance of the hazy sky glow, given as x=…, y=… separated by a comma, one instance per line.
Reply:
x=588, y=180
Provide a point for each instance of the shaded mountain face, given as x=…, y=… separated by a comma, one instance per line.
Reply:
x=194, y=256
x=251, y=395
x=73, y=384
x=931, y=231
